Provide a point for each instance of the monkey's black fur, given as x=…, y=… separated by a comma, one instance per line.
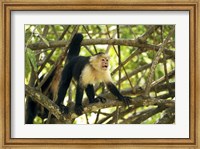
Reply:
x=74, y=68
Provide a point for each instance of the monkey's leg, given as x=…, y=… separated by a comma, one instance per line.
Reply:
x=90, y=93
x=79, y=95
x=63, y=86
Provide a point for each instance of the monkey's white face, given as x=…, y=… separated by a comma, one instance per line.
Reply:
x=104, y=63
x=100, y=62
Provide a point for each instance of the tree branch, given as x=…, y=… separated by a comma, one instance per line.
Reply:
x=45, y=101
x=136, y=102
x=168, y=117
x=155, y=62
x=143, y=115
x=54, y=109
x=123, y=42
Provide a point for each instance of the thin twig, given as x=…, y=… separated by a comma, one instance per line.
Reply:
x=155, y=62
x=97, y=117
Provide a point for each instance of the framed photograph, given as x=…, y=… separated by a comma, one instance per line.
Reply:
x=100, y=74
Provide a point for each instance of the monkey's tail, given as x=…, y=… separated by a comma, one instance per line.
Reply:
x=75, y=45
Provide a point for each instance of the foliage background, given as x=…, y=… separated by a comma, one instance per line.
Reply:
x=142, y=66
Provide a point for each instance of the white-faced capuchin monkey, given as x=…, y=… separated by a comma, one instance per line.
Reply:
x=86, y=71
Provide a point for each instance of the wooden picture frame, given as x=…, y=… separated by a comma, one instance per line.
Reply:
x=130, y=5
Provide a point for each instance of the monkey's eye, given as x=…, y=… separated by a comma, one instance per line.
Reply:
x=102, y=60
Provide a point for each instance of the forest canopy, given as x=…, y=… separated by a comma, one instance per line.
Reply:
x=142, y=66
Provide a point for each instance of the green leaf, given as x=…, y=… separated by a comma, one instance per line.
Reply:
x=27, y=27
x=32, y=58
x=37, y=120
x=27, y=66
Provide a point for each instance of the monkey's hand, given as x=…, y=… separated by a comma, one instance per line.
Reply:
x=64, y=109
x=99, y=98
x=126, y=100
x=78, y=109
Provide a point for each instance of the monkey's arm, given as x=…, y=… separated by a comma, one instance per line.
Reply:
x=112, y=88
x=91, y=95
